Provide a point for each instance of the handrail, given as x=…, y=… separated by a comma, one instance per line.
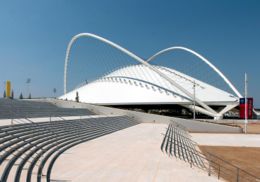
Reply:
x=233, y=165
x=233, y=172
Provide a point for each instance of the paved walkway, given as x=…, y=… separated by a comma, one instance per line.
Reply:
x=241, y=140
x=131, y=154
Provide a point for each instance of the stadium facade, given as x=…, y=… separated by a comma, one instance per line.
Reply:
x=147, y=84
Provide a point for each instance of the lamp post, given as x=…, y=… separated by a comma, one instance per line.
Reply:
x=246, y=103
x=194, y=98
x=28, y=81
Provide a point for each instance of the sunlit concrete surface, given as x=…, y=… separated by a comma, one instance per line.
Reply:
x=246, y=140
x=132, y=154
x=4, y=122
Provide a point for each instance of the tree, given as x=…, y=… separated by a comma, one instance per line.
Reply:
x=30, y=96
x=21, y=96
x=77, y=97
x=54, y=92
x=4, y=94
x=28, y=82
x=12, y=95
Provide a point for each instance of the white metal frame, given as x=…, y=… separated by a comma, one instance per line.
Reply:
x=201, y=58
x=205, y=109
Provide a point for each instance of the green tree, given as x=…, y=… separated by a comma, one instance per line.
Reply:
x=54, y=92
x=77, y=97
x=21, y=96
x=12, y=95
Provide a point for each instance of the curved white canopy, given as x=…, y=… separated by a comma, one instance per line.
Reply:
x=155, y=70
x=214, y=68
x=137, y=85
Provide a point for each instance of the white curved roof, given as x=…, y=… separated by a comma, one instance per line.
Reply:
x=138, y=84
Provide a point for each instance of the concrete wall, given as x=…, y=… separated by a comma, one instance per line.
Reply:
x=231, y=121
x=191, y=125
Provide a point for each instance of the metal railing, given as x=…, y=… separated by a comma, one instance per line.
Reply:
x=185, y=149
x=227, y=170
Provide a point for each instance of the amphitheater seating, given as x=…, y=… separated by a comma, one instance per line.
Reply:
x=26, y=149
x=12, y=108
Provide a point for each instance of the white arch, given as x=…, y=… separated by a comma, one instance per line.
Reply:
x=102, y=40
x=140, y=60
x=203, y=59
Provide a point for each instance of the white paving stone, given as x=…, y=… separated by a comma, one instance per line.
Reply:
x=132, y=154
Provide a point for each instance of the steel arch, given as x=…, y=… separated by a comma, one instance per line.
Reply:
x=137, y=58
x=201, y=58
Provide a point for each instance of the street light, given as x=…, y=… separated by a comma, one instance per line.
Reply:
x=246, y=103
x=194, y=98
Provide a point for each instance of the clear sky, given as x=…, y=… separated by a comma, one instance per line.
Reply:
x=34, y=35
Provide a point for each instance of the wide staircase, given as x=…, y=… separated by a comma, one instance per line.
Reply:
x=13, y=108
x=29, y=151
x=177, y=142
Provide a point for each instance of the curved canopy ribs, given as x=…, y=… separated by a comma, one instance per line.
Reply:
x=204, y=107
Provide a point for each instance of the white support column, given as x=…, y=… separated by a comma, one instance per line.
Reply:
x=194, y=98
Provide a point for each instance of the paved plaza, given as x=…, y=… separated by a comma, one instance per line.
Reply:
x=132, y=154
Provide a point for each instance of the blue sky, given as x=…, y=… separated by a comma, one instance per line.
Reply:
x=34, y=35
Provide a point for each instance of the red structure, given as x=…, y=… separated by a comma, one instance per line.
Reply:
x=249, y=106
x=242, y=108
